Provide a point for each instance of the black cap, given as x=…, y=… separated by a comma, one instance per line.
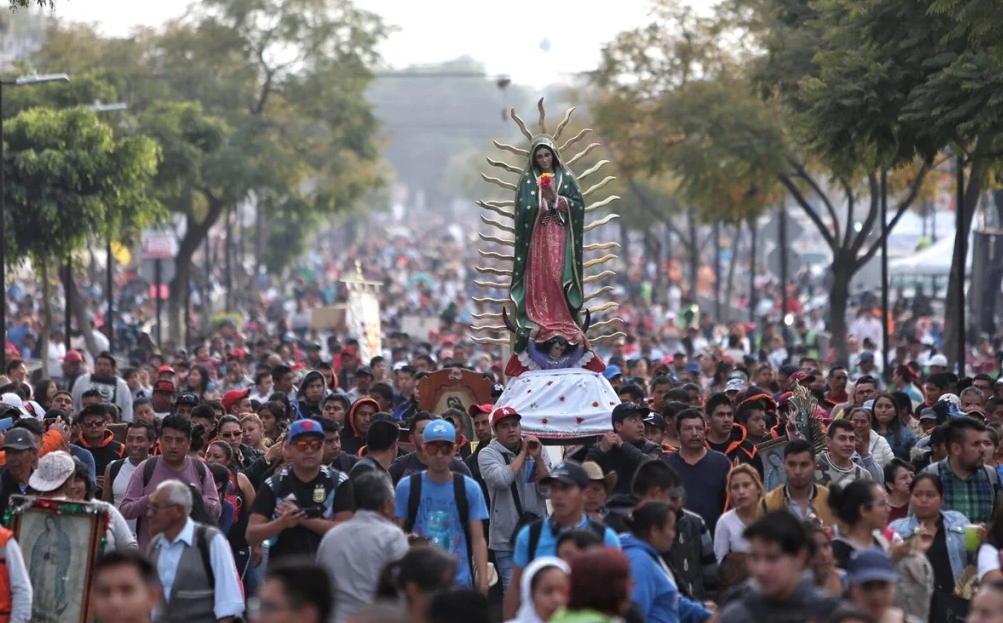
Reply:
x=569, y=473
x=626, y=409
x=188, y=399
x=364, y=370
x=656, y=420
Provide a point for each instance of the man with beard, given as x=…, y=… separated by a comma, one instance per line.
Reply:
x=970, y=486
x=112, y=388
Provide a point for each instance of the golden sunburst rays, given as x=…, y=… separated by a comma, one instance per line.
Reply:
x=499, y=242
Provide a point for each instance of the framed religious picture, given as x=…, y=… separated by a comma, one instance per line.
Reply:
x=772, y=452
x=60, y=541
x=454, y=388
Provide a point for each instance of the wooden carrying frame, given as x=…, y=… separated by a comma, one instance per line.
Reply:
x=63, y=538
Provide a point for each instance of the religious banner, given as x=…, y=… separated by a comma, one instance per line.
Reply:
x=60, y=541
x=363, y=315
x=454, y=388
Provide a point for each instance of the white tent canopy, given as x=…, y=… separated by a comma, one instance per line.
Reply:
x=934, y=260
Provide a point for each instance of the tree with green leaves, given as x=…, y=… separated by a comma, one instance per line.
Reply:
x=695, y=115
x=895, y=84
x=68, y=181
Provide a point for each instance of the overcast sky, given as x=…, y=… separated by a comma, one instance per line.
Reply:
x=504, y=34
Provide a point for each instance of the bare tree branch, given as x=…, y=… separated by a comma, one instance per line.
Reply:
x=904, y=205
x=802, y=172
x=646, y=202
x=872, y=215
x=796, y=193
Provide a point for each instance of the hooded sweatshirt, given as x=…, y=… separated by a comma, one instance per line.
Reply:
x=655, y=591
x=104, y=452
x=740, y=449
x=527, y=612
x=304, y=408
x=351, y=439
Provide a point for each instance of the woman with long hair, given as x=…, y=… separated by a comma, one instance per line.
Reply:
x=239, y=492
x=862, y=507
x=940, y=532
x=273, y=420
x=898, y=481
x=200, y=384
x=253, y=435
x=745, y=491
x=229, y=430
x=600, y=588
x=652, y=531
x=43, y=392
x=545, y=585
x=886, y=420
x=413, y=580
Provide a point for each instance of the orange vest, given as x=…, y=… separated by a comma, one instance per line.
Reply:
x=5, y=599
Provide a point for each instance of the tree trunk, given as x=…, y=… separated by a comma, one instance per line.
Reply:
x=753, y=298
x=80, y=313
x=46, y=332
x=195, y=233
x=730, y=286
x=973, y=191
x=839, y=297
x=694, y=255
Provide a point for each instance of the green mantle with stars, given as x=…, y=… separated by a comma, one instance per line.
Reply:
x=527, y=212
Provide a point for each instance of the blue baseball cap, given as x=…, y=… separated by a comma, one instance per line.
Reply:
x=611, y=372
x=871, y=565
x=302, y=428
x=440, y=430
x=693, y=367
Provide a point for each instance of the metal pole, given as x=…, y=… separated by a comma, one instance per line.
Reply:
x=884, y=275
x=156, y=286
x=228, y=258
x=960, y=260
x=782, y=234
x=110, y=318
x=68, y=315
x=717, y=271
x=3, y=250
x=753, y=298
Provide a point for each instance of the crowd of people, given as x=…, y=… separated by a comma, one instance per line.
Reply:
x=293, y=479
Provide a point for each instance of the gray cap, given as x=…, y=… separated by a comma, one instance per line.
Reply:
x=19, y=439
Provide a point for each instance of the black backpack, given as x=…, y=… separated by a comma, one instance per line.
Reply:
x=462, y=508
x=536, y=529
x=200, y=512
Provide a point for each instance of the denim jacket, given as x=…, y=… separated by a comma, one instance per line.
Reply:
x=954, y=525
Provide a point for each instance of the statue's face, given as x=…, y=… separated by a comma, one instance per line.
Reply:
x=544, y=159
x=557, y=349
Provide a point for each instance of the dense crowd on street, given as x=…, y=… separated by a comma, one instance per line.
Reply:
x=266, y=471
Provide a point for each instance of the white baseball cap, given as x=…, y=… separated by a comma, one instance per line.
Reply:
x=938, y=360
x=13, y=400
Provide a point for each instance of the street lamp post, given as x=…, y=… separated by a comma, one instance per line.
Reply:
x=21, y=81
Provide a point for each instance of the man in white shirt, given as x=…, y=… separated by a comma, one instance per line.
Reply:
x=210, y=594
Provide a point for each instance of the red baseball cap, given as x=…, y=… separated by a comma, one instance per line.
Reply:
x=502, y=413
x=73, y=357
x=475, y=410
x=232, y=396
x=236, y=353
x=165, y=387
x=165, y=368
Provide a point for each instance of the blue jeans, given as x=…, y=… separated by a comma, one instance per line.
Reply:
x=504, y=563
